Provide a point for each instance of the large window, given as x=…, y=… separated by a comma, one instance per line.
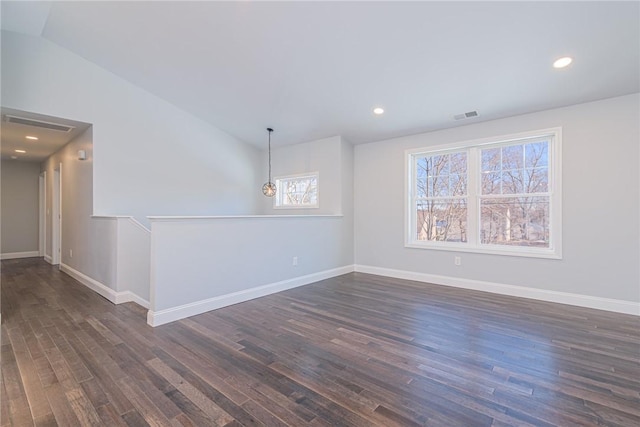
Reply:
x=297, y=191
x=500, y=195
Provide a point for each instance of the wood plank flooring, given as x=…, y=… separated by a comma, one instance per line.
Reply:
x=356, y=350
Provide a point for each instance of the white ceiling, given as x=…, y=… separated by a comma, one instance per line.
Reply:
x=13, y=136
x=316, y=69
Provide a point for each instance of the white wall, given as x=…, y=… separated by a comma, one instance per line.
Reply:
x=332, y=158
x=202, y=264
x=151, y=158
x=600, y=204
x=19, y=208
x=198, y=265
x=347, y=187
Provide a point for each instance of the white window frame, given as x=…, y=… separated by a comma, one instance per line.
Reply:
x=473, y=148
x=315, y=175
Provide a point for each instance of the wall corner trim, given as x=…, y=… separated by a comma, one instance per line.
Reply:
x=102, y=289
x=128, y=296
x=587, y=301
x=16, y=255
x=157, y=318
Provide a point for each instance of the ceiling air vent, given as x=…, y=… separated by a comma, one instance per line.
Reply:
x=38, y=123
x=467, y=115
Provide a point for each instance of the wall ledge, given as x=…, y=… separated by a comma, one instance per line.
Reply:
x=587, y=301
x=186, y=218
x=122, y=217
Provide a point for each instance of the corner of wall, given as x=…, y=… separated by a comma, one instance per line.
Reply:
x=347, y=193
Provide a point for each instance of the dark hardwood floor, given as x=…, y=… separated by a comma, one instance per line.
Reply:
x=355, y=350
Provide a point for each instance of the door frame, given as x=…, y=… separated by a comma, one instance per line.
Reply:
x=56, y=217
x=42, y=214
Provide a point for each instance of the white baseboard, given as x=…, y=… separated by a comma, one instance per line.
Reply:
x=113, y=296
x=48, y=259
x=619, y=306
x=172, y=314
x=128, y=296
x=90, y=283
x=16, y=255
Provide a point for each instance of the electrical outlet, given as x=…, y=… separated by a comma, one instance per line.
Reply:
x=457, y=260
x=295, y=261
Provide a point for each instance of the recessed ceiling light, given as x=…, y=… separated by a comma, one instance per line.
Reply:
x=33, y=138
x=20, y=151
x=562, y=62
x=378, y=111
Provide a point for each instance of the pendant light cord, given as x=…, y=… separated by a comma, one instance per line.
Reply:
x=270, y=130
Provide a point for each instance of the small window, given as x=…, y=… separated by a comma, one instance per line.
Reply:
x=297, y=191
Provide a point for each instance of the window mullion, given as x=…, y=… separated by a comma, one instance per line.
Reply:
x=473, y=185
x=414, y=205
x=413, y=200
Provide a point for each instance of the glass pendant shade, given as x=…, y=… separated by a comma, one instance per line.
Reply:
x=269, y=189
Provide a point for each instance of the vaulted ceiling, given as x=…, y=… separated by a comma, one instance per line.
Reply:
x=317, y=69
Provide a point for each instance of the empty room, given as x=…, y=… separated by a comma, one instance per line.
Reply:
x=292, y=213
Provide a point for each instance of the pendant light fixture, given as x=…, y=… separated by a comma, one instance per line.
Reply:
x=269, y=188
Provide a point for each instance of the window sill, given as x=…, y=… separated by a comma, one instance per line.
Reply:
x=460, y=247
x=297, y=207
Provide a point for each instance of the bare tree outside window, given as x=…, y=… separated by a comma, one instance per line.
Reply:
x=297, y=191
x=441, y=183
x=300, y=191
x=514, y=205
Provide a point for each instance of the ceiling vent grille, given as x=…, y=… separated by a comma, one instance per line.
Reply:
x=38, y=123
x=467, y=115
